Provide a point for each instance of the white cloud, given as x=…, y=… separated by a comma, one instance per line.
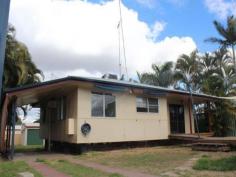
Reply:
x=222, y=8
x=56, y=74
x=81, y=38
x=156, y=29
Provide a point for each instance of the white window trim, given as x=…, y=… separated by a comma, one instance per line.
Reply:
x=104, y=107
x=147, y=99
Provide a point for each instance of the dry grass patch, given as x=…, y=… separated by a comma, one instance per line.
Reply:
x=155, y=160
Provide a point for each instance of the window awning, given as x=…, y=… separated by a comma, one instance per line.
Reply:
x=113, y=88
x=154, y=92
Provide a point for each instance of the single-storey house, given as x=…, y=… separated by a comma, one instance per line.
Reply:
x=81, y=110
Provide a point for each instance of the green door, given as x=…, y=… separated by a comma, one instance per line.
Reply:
x=33, y=137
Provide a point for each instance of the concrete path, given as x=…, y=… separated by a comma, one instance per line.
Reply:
x=50, y=172
x=45, y=170
x=124, y=172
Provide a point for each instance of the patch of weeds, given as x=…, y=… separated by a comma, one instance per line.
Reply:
x=62, y=160
x=223, y=164
x=115, y=175
x=40, y=160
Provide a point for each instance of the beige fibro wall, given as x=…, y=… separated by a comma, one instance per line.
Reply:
x=128, y=125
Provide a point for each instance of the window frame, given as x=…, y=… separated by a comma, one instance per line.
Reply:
x=153, y=104
x=61, y=108
x=148, y=105
x=103, y=104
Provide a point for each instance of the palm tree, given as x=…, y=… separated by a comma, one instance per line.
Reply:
x=162, y=75
x=222, y=57
x=19, y=68
x=208, y=64
x=227, y=76
x=217, y=73
x=187, y=71
x=229, y=35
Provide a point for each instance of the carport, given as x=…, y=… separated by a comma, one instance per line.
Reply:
x=32, y=94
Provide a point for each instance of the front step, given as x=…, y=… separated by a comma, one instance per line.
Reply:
x=211, y=147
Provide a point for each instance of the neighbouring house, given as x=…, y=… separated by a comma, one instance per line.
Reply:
x=80, y=110
x=30, y=134
x=27, y=134
x=18, y=135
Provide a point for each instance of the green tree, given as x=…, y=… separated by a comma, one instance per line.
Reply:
x=228, y=35
x=187, y=71
x=222, y=56
x=19, y=69
x=217, y=73
x=218, y=78
x=161, y=75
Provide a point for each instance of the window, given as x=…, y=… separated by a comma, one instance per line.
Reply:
x=153, y=105
x=97, y=105
x=103, y=105
x=142, y=105
x=147, y=104
x=61, y=108
x=110, y=106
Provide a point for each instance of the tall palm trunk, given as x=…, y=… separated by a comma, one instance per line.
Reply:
x=234, y=57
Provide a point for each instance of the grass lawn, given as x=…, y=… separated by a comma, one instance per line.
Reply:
x=156, y=160
x=29, y=148
x=75, y=170
x=12, y=168
x=222, y=164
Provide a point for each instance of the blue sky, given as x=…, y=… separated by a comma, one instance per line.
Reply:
x=80, y=37
x=182, y=17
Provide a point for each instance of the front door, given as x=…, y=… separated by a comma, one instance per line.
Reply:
x=177, y=124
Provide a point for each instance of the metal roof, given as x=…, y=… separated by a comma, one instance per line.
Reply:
x=108, y=81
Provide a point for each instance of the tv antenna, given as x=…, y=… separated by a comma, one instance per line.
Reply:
x=121, y=41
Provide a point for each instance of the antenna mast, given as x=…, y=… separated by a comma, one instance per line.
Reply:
x=120, y=29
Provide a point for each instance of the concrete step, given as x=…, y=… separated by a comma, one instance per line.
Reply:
x=222, y=147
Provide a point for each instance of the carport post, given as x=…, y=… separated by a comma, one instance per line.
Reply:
x=13, y=123
x=4, y=14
